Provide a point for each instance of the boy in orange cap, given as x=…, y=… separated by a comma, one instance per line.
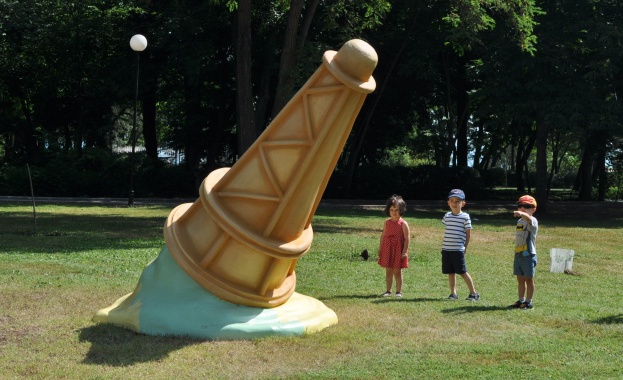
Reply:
x=525, y=251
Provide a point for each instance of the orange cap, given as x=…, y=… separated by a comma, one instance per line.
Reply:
x=527, y=200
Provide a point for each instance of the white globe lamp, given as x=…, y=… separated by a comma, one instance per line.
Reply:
x=138, y=42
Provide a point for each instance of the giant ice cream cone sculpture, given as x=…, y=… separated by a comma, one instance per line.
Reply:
x=243, y=236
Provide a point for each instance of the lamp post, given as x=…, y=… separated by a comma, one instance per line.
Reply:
x=138, y=43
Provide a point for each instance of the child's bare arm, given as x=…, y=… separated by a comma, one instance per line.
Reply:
x=523, y=215
x=468, y=234
x=407, y=234
x=381, y=240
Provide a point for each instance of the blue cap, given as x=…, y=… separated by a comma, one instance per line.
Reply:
x=457, y=193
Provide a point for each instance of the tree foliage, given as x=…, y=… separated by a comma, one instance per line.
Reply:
x=524, y=85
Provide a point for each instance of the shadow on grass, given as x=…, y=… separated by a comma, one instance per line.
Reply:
x=116, y=346
x=78, y=233
x=405, y=299
x=375, y=298
x=350, y=296
x=473, y=309
x=611, y=320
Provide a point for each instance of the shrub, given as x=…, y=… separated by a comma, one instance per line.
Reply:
x=14, y=180
x=494, y=177
x=97, y=173
x=376, y=181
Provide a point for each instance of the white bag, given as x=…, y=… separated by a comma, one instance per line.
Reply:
x=562, y=260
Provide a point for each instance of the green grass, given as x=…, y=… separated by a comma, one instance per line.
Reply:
x=83, y=258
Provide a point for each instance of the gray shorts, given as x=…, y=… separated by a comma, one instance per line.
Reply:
x=524, y=265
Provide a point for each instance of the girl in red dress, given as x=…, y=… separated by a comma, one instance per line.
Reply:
x=394, y=247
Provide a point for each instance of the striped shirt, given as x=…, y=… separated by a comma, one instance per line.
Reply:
x=454, y=236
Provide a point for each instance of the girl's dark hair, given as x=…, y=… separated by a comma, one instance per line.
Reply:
x=395, y=200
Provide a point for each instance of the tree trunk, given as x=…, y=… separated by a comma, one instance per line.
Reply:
x=265, y=89
x=555, y=152
x=309, y=16
x=600, y=167
x=584, y=180
x=462, y=114
x=264, y=93
x=541, y=165
x=192, y=126
x=480, y=158
x=594, y=156
x=147, y=92
x=149, y=124
x=69, y=139
x=559, y=149
x=245, y=119
x=359, y=137
x=450, y=139
x=30, y=145
x=289, y=55
x=526, y=143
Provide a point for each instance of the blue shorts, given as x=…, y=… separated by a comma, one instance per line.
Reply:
x=453, y=262
x=524, y=265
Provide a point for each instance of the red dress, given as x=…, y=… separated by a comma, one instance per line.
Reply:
x=390, y=255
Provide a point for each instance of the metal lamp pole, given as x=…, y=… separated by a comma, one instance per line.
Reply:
x=138, y=43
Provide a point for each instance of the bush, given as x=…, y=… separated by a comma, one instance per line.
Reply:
x=494, y=177
x=159, y=179
x=14, y=180
x=564, y=180
x=512, y=179
x=427, y=182
x=97, y=173
x=376, y=181
x=614, y=193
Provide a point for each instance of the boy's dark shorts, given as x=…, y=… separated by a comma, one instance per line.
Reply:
x=453, y=262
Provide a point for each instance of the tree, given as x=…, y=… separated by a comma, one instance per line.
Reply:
x=50, y=68
x=579, y=68
x=244, y=87
x=300, y=18
x=458, y=81
x=292, y=49
x=448, y=32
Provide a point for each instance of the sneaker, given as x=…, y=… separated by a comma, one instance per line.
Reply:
x=453, y=296
x=526, y=306
x=386, y=294
x=399, y=295
x=473, y=297
x=516, y=305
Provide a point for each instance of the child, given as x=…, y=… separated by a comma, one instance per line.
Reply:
x=454, y=247
x=525, y=251
x=394, y=244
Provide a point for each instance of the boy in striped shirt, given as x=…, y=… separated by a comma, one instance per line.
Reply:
x=454, y=247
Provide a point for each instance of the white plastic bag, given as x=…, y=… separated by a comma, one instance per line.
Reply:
x=562, y=260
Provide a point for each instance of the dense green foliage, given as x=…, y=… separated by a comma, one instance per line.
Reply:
x=96, y=174
x=523, y=86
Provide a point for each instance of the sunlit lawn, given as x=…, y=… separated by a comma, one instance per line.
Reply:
x=83, y=258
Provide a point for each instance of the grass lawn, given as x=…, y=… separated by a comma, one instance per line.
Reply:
x=84, y=258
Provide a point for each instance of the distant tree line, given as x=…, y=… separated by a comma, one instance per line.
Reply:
x=528, y=88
